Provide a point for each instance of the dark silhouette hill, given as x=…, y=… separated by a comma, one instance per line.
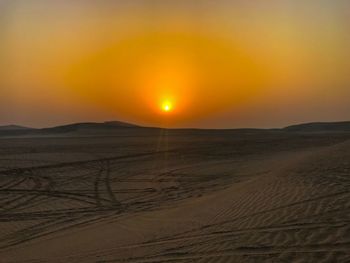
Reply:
x=110, y=125
x=74, y=128
x=13, y=128
x=320, y=127
x=125, y=129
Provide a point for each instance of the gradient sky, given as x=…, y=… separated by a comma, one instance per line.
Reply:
x=221, y=64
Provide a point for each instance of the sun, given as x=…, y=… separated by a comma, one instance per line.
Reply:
x=167, y=106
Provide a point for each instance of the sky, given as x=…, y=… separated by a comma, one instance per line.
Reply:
x=215, y=64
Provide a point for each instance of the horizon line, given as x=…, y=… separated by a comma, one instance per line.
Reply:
x=133, y=125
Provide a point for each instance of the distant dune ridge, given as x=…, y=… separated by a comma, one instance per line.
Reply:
x=13, y=128
x=320, y=126
x=91, y=127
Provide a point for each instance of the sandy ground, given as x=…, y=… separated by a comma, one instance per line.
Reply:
x=184, y=196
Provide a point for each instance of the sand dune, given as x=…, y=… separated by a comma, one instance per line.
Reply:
x=218, y=196
x=343, y=126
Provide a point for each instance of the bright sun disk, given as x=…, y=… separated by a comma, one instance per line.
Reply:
x=166, y=106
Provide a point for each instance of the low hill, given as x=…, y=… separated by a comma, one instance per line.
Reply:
x=320, y=127
x=13, y=128
x=124, y=128
x=110, y=125
x=88, y=128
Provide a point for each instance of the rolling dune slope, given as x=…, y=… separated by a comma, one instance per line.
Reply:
x=218, y=197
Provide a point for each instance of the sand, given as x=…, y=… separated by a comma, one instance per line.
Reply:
x=176, y=196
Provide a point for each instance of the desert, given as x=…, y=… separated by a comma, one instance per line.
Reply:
x=133, y=194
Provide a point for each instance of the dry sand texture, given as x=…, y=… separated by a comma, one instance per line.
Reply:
x=176, y=196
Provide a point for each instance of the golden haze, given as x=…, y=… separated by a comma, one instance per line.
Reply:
x=220, y=63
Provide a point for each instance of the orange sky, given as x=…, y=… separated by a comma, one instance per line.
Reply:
x=220, y=64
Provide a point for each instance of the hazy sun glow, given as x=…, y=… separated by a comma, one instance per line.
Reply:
x=174, y=63
x=167, y=106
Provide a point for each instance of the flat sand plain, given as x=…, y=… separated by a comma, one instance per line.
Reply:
x=176, y=196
